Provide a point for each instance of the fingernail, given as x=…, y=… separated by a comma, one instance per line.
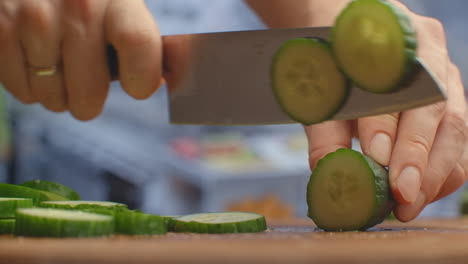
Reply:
x=409, y=212
x=380, y=148
x=409, y=184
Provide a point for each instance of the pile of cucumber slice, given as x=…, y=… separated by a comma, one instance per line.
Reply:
x=372, y=45
x=49, y=209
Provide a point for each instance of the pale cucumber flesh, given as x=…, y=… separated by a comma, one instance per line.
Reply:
x=375, y=45
x=307, y=82
x=348, y=191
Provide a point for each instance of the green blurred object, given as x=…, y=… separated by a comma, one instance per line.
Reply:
x=5, y=133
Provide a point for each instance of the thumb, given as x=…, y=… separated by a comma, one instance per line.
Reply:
x=328, y=137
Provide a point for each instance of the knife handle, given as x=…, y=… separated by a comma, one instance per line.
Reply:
x=113, y=62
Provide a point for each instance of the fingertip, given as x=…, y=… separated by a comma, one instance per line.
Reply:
x=408, y=212
x=86, y=115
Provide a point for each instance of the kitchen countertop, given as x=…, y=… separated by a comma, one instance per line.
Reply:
x=295, y=241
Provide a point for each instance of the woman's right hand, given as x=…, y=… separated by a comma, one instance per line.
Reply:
x=53, y=52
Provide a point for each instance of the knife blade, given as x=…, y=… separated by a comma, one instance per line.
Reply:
x=225, y=80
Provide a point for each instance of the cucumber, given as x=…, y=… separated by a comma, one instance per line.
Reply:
x=307, y=82
x=15, y=191
x=53, y=187
x=218, y=223
x=375, y=44
x=138, y=223
x=8, y=206
x=169, y=220
x=82, y=205
x=7, y=226
x=348, y=191
x=46, y=222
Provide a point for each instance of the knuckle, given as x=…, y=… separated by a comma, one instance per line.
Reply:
x=419, y=143
x=135, y=39
x=456, y=121
x=437, y=109
x=37, y=16
x=5, y=32
x=81, y=10
x=436, y=27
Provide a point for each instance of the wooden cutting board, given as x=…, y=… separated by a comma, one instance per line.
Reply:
x=436, y=241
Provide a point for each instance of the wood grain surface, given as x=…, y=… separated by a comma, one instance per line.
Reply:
x=435, y=241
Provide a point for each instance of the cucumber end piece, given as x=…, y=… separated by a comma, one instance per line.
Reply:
x=348, y=191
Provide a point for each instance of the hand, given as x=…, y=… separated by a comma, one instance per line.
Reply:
x=425, y=148
x=53, y=52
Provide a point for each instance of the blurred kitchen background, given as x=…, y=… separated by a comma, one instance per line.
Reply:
x=131, y=154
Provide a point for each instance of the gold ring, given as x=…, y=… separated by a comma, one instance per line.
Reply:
x=44, y=71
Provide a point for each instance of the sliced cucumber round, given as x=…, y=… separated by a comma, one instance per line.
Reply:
x=46, y=222
x=307, y=82
x=348, y=191
x=7, y=226
x=15, y=191
x=8, y=206
x=81, y=205
x=53, y=187
x=138, y=223
x=375, y=44
x=218, y=223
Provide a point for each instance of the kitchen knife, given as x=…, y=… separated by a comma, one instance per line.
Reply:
x=224, y=79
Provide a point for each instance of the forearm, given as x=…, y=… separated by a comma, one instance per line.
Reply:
x=297, y=13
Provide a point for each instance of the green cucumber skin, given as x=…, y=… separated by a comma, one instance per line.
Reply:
x=169, y=220
x=35, y=226
x=15, y=191
x=8, y=208
x=384, y=199
x=139, y=224
x=410, y=39
x=251, y=226
x=7, y=226
x=326, y=45
x=83, y=206
x=52, y=187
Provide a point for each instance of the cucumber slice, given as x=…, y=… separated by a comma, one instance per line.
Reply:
x=8, y=206
x=217, y=223
x=15, y=191
x=81, y=205
x=348, y=191
x=307, y=82
x=53, y=187
x=138, y=223
x=375, y=45
x=45, y=222
x=7, y=226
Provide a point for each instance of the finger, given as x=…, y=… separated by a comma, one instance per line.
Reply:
x=377, y=136
x=41, y=44
x=459, y=175
x=87, y=77
x=435, y=51
x=131, y=29
x=177, y=55
x=455, y=180
x=415, y=136
x=328, y=137
x=446, y=151
x=13, y=73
